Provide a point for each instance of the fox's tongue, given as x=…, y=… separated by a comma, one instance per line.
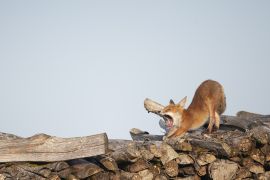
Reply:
x=169, y=123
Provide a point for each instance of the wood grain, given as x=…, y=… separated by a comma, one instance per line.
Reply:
x=45, y=148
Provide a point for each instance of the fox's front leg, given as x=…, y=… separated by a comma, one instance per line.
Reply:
x=179, y=132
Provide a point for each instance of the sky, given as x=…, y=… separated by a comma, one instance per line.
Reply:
x=77, y=68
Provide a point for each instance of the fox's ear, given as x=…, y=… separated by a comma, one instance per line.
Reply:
x=183, y=102
x=171, y=101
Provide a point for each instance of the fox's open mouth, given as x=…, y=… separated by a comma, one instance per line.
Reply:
x=168, y=120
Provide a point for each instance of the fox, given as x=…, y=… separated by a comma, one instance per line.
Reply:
x=209, y=102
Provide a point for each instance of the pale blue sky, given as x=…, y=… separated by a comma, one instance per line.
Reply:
x=73, y=68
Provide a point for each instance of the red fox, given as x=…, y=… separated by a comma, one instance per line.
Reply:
x=208, y=102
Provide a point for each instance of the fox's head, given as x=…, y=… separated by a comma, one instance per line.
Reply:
x=172, y=113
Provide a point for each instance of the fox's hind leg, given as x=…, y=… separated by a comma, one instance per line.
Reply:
x=210, y=125
x=212, y=118
x=217, y=120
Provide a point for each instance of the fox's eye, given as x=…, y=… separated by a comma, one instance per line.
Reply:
x=167, y=110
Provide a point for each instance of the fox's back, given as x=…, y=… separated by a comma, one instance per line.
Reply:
x=209, y=92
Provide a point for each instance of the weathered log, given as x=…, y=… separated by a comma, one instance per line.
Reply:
x=146, y=175
x=195, y=177
x=236, y=159
x=261, y=134
x=138, y=166
x=205, y=158
x=256, y=168
x=264, y=176
x=266, y=151
x=18, y=171
x=82, y=168
x=247, y=115
x=223, y=143
x=3, y=177
x=56, y=166
x=239, y=141
x=105, y=176
x=147, y=150
x=243, y=173
x=129, y=153
x=64, y=173
x=122, y=149
x=217, y=147
x=247, y=161
x=223, y=170
x=250, y=115
x=236, y=122
x=171, y=168
x=258, y=156
x=155, y=168
x=184, y=159
x=109, y=163
x=201, y=171
x=129, y=176
x=54, y=177
x=160, y=177
x=152, y=106
x=155, y=150
x=47, y=148
x=44, y=170
x=179, y=145
x=72, y=177
x=138, y=135
x=252, y=166
x=101, y=176
x=167, y=153
x=187, y=171
x=146, y=154
x=245, y=124
x=118, y=144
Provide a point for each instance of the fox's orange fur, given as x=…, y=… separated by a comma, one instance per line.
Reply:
x=208, y=102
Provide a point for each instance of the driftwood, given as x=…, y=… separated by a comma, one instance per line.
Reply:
x=47, y=148
x=138, y=135
x=152, y=106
